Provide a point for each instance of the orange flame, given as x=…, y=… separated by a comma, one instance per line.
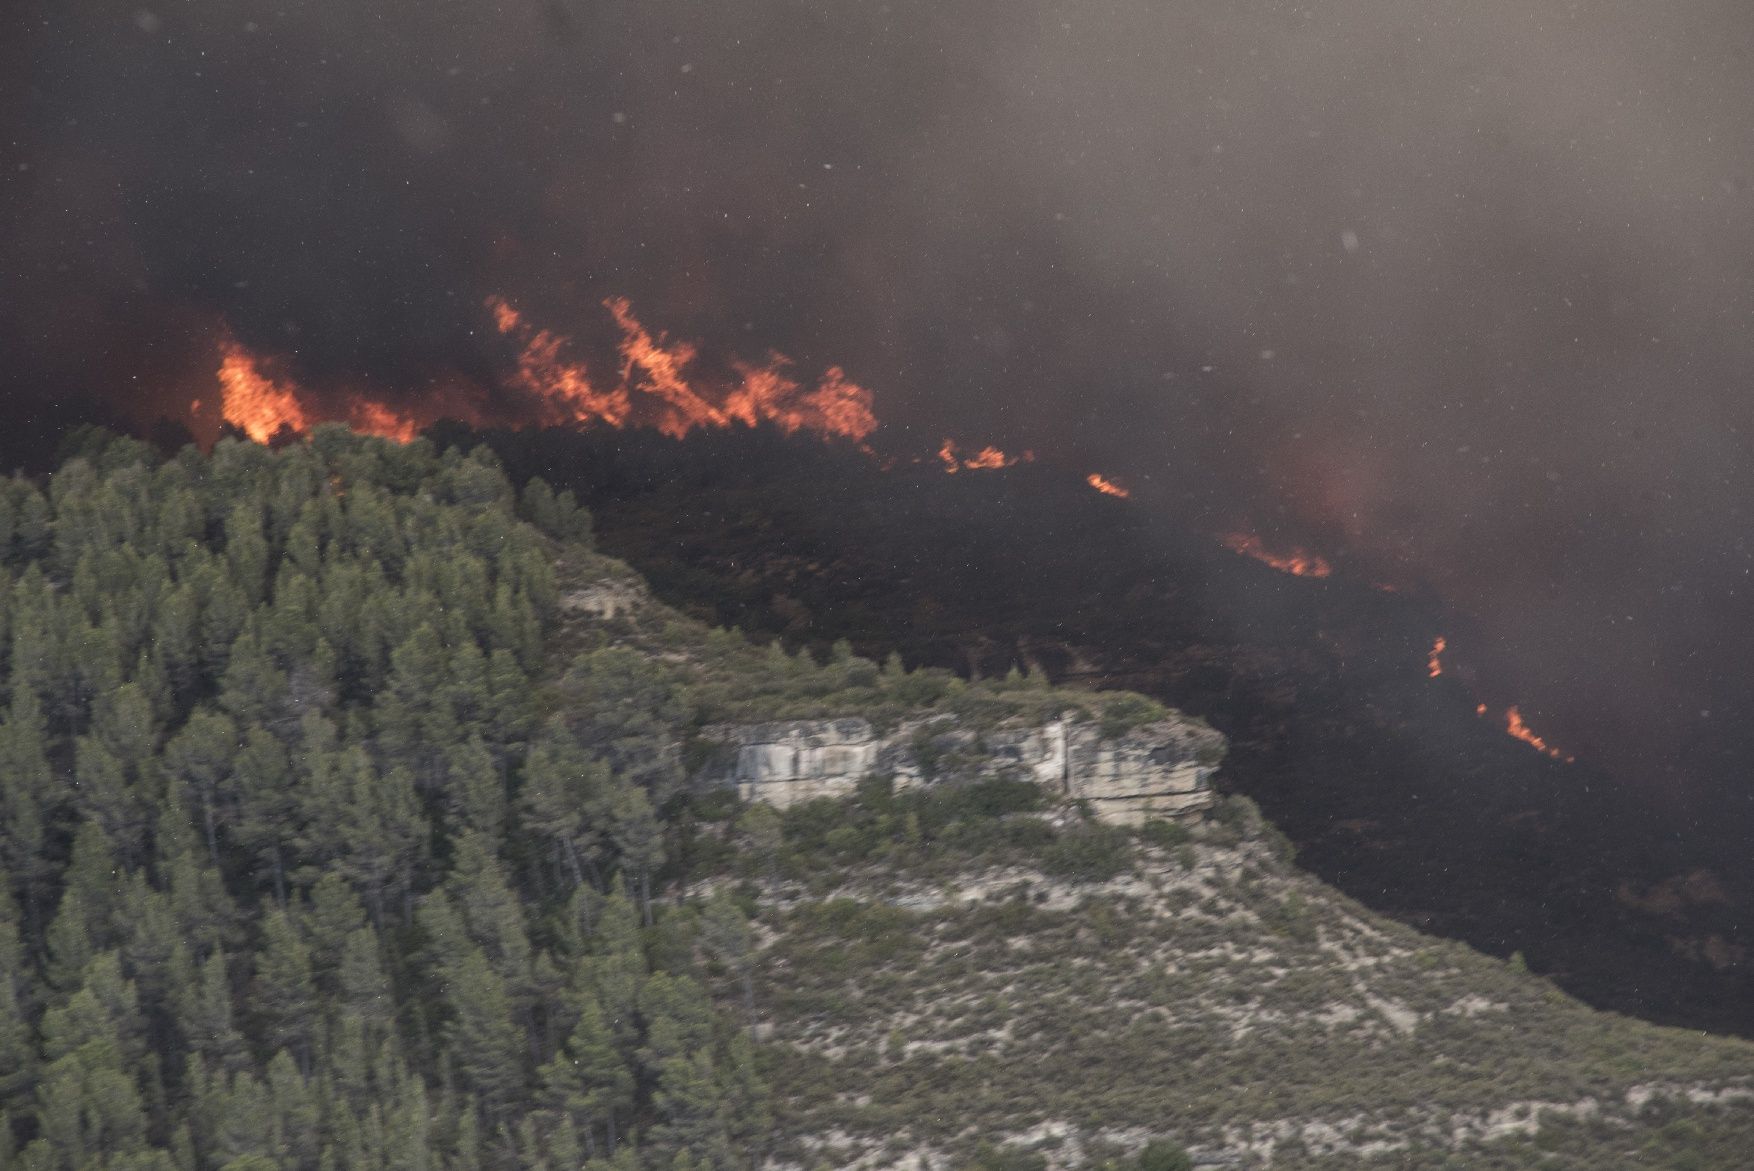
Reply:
x=562, y=385
x=1435, y=662
x=1514, y=725
x=251, y=401
x=986, y=459
x=655, y=388
x=659, y=370
x=663, y=373
x=838, y=406
x=1297, y=563
x=1106, y=486
x=374, y=418
x=261, y=406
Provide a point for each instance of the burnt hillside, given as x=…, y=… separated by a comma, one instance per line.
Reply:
x=1389, y=783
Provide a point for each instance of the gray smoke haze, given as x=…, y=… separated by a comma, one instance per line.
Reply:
x=1464, y=286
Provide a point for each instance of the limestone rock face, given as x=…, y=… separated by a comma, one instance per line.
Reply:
x=1162, y=769
x=794, y=760
x=608, y=598
x=1159, y=770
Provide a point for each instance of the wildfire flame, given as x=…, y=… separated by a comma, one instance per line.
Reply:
x=1106, y=486
x=251, y=401
x=262, y=407
x=1435, y=662
x=656, y=387
x=563, y=386
x=1514, y=725
x=374, y=418
x=1516, y=728
x=986, y=459
x=1297, y=563
x=837, y=406
x=662, y=371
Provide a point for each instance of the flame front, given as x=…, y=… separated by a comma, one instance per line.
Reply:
x=1297, y=563
x=1106, y=486
x=1435, y=662
x=656, y=387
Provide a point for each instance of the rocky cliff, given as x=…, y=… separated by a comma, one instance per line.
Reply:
x=1158, y=770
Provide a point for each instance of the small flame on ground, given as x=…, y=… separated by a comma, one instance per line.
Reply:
x=1106, y=486
x=1297, y=563
x=1435, y=662
x=986, y=459
x=1515, y=727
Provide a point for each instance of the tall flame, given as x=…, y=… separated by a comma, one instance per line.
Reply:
x=662, y=371
x=262, y=407
x=563, y=386
x=1297, y=563
x=1106, y=486
x=1435, y=662
x=251, y=401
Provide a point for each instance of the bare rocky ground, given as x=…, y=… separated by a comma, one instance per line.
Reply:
x=1209, y=993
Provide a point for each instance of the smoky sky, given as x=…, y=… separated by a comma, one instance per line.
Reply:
x=1461, y=288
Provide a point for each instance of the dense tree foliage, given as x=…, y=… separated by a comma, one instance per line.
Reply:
x=301, y=869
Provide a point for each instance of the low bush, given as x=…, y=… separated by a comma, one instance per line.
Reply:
x=1088, y=853
x=1166, y=835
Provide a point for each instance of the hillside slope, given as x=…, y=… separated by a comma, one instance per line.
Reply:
x=1616, y=885
x=1016, y=1015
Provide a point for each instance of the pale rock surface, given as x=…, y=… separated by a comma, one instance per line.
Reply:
x=1159, y=770
x=606, y=599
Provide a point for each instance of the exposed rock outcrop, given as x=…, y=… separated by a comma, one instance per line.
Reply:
x=1161, y=769
x=606, y=599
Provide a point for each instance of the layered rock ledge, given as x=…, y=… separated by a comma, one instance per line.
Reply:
x=1157, y=770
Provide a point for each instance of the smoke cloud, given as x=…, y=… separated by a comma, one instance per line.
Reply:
x=1462, y=288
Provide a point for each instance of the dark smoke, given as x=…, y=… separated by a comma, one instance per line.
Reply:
x=1463, y=287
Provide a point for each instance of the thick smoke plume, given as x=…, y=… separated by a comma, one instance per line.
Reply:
x=1460, y=290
